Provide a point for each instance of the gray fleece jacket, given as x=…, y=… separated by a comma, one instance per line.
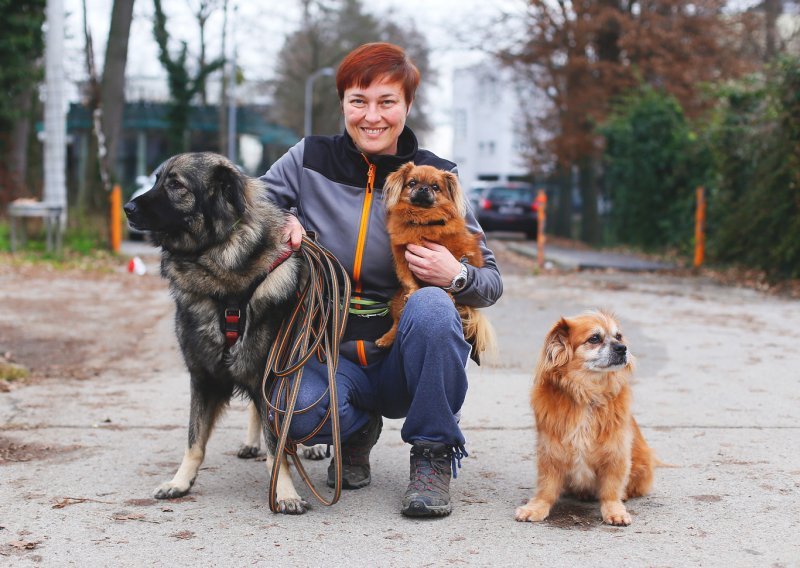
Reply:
x=325, y=182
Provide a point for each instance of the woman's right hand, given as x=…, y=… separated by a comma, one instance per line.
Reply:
x=293, y=232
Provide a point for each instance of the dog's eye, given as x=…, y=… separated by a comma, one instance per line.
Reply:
x=595, y=338
x=412, y=183
x=435, y=187
x=618, y=337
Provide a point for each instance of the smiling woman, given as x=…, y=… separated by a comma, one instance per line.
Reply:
x=333, y=185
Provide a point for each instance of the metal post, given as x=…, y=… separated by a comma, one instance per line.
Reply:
x=55, y=115
x=116, y=218
x=541, y=215
x=232, y=133
x=700, y=228
x=327, y=71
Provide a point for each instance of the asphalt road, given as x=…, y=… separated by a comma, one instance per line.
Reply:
x=717, y=394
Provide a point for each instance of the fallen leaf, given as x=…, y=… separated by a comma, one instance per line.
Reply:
x=23, y=544
x=74, y=500
x=183, y=535
x=125, y=516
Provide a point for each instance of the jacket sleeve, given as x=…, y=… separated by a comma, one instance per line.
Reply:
x=484, y=285
x=283, y=178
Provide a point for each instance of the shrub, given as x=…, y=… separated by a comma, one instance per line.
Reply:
x=654, y=162
x=755, y=206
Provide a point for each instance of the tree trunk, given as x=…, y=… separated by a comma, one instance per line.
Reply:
x=590, y=220
x=18, y=163
x=112, y=88
x=563, y=218
x=222, y=115
x=772, y=9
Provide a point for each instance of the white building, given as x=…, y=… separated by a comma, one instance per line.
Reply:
x=488, y=137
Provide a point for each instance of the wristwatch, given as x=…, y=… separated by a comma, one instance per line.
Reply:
x=460, y=281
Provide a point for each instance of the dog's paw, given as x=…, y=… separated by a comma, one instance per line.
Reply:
x=292, y=506
x=384, y=343
x=317, y=452
x=618, y=520
x=532, y=512
x=170, y=490
x=616, y=515
x=248, y=452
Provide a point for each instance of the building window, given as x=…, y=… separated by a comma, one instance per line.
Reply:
x=460, y=123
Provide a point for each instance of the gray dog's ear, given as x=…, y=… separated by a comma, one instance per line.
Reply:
x=557, y=348
x=394, y=185
x=229, y=182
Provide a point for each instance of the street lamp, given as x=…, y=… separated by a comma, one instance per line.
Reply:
x=327, y=71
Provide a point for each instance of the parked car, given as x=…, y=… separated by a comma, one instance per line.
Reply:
x=143, y=184
x=508, y=207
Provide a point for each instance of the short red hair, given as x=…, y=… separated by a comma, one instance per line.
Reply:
x=377, y=61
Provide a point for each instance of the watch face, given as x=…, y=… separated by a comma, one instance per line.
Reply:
x=459, y=283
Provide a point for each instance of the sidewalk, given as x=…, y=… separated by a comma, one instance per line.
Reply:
x=716, y=393
x=576, y=259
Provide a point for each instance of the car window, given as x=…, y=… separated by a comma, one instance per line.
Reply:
x=511, y=193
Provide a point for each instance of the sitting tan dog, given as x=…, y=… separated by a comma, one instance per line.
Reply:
x=588, y=443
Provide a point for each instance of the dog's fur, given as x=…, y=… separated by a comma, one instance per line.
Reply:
x=588, y=443
x=219, y=235
x=424, y=203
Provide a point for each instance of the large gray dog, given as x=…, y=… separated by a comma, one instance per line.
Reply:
x=233, y=282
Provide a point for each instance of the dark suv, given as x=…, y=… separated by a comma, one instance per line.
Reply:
x=508, y=207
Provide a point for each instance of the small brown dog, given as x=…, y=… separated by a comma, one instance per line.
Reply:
x=588, y=443
x=424, y=203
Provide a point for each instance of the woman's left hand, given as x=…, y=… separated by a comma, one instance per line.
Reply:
x=432, y=263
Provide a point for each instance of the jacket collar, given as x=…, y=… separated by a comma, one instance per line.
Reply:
x=407, y=147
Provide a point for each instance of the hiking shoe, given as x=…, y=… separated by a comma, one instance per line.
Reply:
x=428, y=493
x=355, y=455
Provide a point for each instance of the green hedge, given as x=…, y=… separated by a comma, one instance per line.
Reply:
x=653, y=162
x=754, y=212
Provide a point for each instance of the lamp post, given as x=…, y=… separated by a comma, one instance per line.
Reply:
x=327, y=71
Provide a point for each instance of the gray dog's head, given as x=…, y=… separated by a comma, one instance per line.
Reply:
x=196, y=201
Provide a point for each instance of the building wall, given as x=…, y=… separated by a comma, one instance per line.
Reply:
x=487, y=125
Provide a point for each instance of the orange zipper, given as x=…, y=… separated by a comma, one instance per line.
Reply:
x=360, y=243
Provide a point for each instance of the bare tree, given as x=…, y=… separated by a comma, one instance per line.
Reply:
x=112, y=88
x=183, y=85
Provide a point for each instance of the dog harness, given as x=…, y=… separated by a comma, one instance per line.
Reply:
x=236, y=307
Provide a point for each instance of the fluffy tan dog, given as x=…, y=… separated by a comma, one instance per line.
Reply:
x=424, y=203
x=588, y=443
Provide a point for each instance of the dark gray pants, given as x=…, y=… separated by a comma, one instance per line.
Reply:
x=422, y=378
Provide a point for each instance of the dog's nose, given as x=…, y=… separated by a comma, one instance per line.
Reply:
x=422, y=195
x=130, y=208
x=619, y=348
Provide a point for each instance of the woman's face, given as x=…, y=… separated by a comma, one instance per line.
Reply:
x=375, y=116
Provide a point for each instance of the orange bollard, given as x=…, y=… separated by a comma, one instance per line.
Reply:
x=700, y=228
x=116, y=219
x=541, y=215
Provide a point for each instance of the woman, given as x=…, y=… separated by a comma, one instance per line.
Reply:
x=332, y=185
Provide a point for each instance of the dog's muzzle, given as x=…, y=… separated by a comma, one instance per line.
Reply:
x=619, y=354
x=132, y=213
x=422, y=196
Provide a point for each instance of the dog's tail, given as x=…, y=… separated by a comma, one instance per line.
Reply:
x=658, y=463
x=479, y=331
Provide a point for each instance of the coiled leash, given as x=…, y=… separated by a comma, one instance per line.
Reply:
x=315, y=326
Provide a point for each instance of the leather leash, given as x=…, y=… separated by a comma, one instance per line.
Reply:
x=315, y=326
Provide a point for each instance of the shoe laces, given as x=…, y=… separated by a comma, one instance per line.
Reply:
x=456, y=455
